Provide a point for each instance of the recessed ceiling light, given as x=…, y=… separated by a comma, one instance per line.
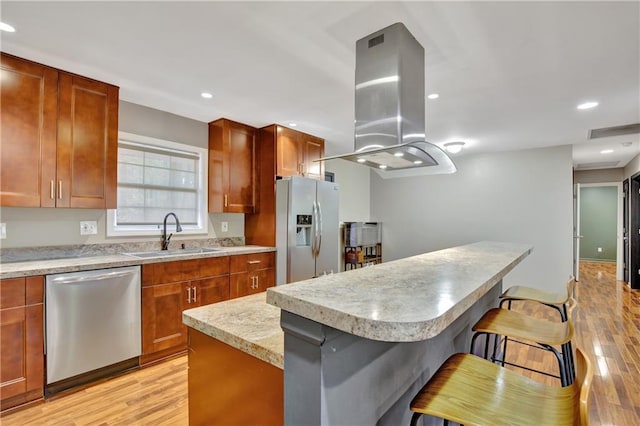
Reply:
x=606, y=151
x=417, y=162
x=588, y=105
x=398, y=154
x=206, y=95
x=292, y=124
x=454, y=147
x=383, y=166
x=433, y=96
x=361, y=160
x=627, y=143
x=6, y=27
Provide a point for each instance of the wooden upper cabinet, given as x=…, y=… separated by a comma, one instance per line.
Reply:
x=28, y=139
x=295, y=152
x=288, y=153
x=59, y=138
x=313, y=149
x=232, y=167
x=87, y=143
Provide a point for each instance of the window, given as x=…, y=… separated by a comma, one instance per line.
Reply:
x=156, y=177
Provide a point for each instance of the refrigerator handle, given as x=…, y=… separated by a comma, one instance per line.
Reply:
x=319, y=229
x=314, y=218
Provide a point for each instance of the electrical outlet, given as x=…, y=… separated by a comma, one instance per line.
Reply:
x=88, y=227
x=599, y=249
x=3, y=231
x=224, y=226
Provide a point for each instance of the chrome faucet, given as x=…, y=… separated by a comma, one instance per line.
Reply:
x=165, y=239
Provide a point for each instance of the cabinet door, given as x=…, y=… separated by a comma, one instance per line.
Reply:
x=21, y=353
x=242, y=284
x=28, y=94
x=162, y=307
x=210, y=290
x=22, y=340
x=233, y=186
x=246, y=283
x=288, y=153
x=240, y=176
x=265, y=278
x=313, y=149
x=87, y=145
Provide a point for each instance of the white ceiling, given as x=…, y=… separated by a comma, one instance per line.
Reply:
x=509, y=74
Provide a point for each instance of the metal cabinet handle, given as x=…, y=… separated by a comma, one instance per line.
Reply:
x=59, y=190
x=226, y=200
x=253, y=262
x=195, y=294
x=52, y=190
x=188, y=294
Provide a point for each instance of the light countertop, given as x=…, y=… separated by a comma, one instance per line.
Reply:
x=247, y=323
x=54, y=266
x=405, y=300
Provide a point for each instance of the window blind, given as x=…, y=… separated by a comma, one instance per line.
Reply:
x=153, y=181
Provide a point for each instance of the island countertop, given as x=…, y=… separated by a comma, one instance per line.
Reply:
x=246, y=323
x=406, y=300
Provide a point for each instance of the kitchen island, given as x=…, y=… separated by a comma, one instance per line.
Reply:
x=359, y=344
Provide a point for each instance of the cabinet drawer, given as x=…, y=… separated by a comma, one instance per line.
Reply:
x=252, y=262
x=184, y=270
x=212, y=267
x=21, y=291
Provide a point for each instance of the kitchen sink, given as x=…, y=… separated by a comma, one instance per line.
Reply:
x=169, y=253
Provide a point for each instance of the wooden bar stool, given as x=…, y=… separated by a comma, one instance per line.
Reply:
x=473, y=391
x=556, y=301
x=560, y=302
x=531, y=331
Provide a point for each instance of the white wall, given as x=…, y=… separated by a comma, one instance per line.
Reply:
x=517, y=196
x=27, y=227
x=354, y=189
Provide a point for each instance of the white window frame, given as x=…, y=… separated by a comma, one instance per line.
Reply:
x=202, y=227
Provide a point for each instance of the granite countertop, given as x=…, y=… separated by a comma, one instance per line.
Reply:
x=54, y=266
x=405, y=300
x=247, y=323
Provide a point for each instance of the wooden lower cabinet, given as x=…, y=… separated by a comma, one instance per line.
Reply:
x=230, y=387
x=22, y=341
x=251, y=273
x=168, y=288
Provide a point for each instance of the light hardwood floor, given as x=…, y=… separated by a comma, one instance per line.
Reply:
x=607, y=326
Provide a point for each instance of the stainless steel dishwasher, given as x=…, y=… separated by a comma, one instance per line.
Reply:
x=92, y=325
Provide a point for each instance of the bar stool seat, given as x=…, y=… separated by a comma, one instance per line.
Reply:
x=519, y=327
x=473, y=391
x=557, y=301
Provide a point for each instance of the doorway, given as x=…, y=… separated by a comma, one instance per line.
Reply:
x=634, y=231
x=598, y=222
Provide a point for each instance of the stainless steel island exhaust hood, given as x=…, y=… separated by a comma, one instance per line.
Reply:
x=390, y=107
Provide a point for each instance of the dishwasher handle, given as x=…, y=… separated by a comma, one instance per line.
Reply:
x=82, y=279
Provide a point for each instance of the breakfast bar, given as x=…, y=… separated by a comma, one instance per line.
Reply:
x=358, y=344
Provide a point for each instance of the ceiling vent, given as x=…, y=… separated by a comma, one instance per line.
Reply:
x=606, y=132
x=598, y=165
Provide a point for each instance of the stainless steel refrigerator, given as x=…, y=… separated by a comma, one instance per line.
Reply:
x=307, y=229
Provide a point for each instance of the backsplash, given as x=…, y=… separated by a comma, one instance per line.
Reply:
x=21, y=254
